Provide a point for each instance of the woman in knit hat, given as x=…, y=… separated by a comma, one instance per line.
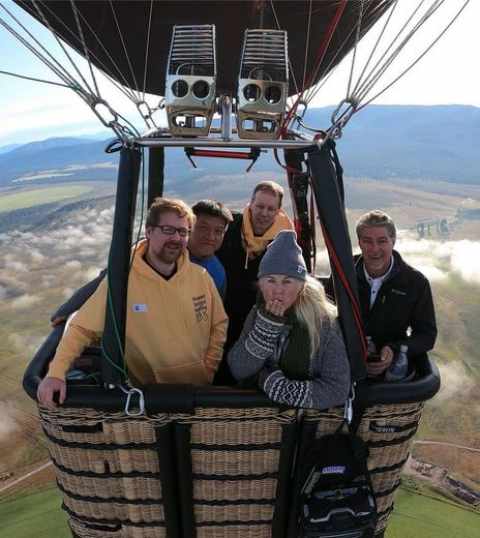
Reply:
x=291, y=345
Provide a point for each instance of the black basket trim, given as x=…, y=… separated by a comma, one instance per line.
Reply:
x=100, y=446
x=98, y=500
x=234, y=477
x=389, y=468
x=234, y=523
x=100, y=521
x=386, y=512
x=393, y=442
x=93, y=474
x=389, y=491
x=238, y=502
x=235, y=448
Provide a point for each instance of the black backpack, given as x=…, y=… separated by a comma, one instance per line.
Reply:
x=337, y=499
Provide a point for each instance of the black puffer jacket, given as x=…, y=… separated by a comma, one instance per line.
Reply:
x=403, y=302
x=241, y=283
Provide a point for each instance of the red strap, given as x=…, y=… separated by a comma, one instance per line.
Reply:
x=322, y=50
x=219, y=153
x=355, y=306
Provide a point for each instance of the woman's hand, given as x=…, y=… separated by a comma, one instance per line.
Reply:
x=275, y=307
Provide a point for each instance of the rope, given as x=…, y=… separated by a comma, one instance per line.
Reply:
x=372, y=52
x=34, y=79
x=307, y=43
x=434, y=42
x=125, y=90
x=374, y=77
x=277, y=22
x=357, y=39
x=319, y=59
x=47, y=24
x=84, y=44
x=59, y=71
x=147, y=50
x=124, y=46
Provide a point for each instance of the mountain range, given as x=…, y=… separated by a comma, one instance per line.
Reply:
x=381, y=142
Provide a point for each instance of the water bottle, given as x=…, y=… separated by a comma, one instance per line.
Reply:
x=371, y=348
x=372, y=354
x=399, y=368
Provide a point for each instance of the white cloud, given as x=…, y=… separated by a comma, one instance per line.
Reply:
x=24, y=301
x=73, y=265
x=455, y=380
x=438, y=259
x=8, y=420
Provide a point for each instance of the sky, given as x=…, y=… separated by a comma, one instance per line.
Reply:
x=448, y=74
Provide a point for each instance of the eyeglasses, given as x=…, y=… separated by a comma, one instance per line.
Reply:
x=171, y=230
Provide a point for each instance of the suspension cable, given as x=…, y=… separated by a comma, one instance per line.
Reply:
x=34, y=79
x=434, y=42
x=52, y=64
x=124, y=47
x=277, y=22
x=60, y=44
x=374, y=49
x=84, y=44
x=354, y=55
x=147, y=50
x=124, y=89
x=307, y=44
x=375, y=74
x=322, y=49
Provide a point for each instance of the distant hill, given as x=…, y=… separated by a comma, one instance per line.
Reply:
x=415, y=142
x=8, y=147
x=381, y=142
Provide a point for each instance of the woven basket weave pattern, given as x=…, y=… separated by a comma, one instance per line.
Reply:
x=235, y=456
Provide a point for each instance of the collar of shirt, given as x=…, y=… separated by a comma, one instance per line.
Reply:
x=376, y=283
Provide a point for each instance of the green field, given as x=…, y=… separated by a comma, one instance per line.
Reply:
x=425, y=516
x=416, y=516
x=32, y=197
x=37, y=515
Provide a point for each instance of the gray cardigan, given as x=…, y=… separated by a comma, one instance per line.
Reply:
x=256, y=352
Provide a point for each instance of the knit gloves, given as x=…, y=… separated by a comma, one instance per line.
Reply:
x=284, y=391
x=262, y=339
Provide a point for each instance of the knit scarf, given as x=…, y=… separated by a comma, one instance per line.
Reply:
x=255, y=245
x=295, y=359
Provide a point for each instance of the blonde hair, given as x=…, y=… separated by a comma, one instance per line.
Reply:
x=313, y=308
x=168, y=205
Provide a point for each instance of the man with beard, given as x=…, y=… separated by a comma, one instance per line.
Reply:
x=211, y=222
x=396, y=299
x=176, y=324
x=242, y=250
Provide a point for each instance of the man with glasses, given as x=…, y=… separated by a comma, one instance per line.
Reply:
x=211, y=222
x=176, y=323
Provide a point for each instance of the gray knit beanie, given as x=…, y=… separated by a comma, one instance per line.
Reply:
x=283, y=257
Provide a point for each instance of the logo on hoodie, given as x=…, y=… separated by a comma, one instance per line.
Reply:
x=200, y=307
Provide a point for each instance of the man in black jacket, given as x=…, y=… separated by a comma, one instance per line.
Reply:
x=243, y=248
x=396, y=299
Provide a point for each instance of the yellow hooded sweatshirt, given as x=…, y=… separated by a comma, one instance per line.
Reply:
x=175, y=328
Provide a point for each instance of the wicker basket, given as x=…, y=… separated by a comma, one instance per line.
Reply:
x=229, y=477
